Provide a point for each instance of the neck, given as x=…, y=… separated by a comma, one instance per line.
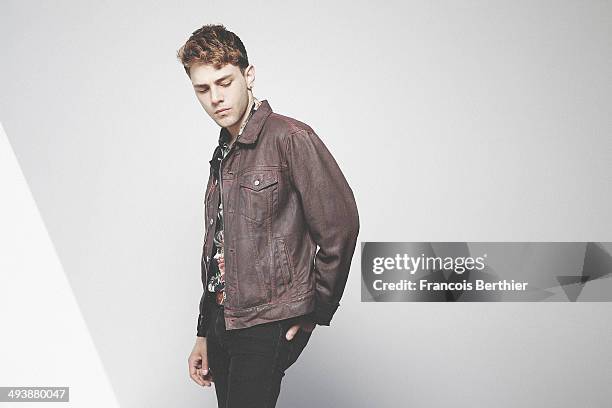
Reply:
x=234, y=129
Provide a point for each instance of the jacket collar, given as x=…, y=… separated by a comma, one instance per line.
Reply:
x=249, y=134
x=251, y=131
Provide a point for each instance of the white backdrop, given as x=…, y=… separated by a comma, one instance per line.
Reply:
x=452, y=121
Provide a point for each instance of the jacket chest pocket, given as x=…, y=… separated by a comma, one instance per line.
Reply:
x=258, y=194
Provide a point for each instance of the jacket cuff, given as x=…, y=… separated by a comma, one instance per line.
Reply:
x=202, y=326
x=203, y=313
x=323, y=313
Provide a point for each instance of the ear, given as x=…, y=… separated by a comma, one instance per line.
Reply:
x=249, y=74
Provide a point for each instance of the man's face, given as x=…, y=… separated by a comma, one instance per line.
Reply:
x=223, y=92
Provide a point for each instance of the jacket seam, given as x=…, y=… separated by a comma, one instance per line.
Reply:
x=287, y=139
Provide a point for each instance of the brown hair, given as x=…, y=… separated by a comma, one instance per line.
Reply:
x=213, y=44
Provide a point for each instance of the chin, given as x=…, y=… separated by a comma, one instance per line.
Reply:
x=228, y=122
x=225, y=122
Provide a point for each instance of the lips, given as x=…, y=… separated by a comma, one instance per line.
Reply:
x=222, y=110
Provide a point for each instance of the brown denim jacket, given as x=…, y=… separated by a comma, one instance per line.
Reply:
x=283, y=195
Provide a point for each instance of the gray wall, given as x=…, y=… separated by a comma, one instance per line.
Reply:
x=452, y=121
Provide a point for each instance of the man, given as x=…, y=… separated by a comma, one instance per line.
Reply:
x=274, y=194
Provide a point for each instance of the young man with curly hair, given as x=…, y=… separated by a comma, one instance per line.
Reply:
x=281, y=229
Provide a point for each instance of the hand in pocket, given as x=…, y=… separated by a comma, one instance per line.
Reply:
x=303, y=324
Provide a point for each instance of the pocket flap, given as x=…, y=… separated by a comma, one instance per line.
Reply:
x=259, y=180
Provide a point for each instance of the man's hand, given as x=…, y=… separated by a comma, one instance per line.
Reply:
x=198, y=363
x=303, y=324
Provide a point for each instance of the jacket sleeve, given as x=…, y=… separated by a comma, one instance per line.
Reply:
x=205, y=300
x=202, y=324
x=331, y=213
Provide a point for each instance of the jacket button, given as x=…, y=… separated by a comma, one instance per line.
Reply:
x=211, y=221
x=256, y=182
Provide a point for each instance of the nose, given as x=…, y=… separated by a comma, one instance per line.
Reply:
x=215, y=95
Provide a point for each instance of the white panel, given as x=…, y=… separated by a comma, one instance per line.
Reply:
x=45, y=341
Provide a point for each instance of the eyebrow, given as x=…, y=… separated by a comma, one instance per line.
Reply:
x=218, y=81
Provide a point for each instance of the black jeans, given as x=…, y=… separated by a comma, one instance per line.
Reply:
x=248, y=365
